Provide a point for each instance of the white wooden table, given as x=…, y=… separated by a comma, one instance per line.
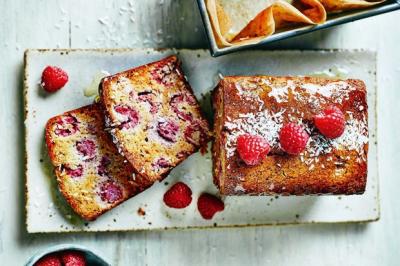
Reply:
x=176, y=23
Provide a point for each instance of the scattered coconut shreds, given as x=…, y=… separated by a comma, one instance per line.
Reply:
x=268, y=125
x=263, y=123
x=281, y=94
x=338, y=90
x=248, y=91
x=240, y=189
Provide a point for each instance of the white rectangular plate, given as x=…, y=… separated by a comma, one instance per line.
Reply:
x=47, y=212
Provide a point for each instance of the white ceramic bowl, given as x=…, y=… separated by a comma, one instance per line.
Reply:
x=92, y=258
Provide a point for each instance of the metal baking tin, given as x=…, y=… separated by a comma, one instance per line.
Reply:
x=335, y=20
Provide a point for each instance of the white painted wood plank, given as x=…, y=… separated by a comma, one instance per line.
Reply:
x=129, y=24
x=30, y=24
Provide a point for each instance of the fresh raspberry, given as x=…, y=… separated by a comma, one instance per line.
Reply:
x=86, y=148
x=130, y=116
x=168, y=130
x=53, y=78
x=208, y=205
x=252, y=149
x=293, y=138
x=331, y=122
x=110, y=192
x=179, y=196
x=73, y=258
x=49, y=260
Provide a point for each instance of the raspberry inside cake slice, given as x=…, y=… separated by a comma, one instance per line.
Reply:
x=154, y=117
x=315, y=132
x=91, y=174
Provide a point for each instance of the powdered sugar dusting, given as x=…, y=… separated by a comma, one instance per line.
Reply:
x=354, y=138
x=337, y=89
x=280, y=94
x=248, y=91
x=328, y=90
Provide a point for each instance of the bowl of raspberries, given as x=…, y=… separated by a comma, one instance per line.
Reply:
x=67, y=255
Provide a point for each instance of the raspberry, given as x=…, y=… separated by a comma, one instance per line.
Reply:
x=208, y=205
x=194, y=134
x=168, y=130
x=179, y=196
x=110, y=192
x=86, y=148
x=49, y=260
x=331, y=122
x=73, y=258
x=293, y=138
x=162, y=74
x=130, y=116
x=161, y=163
x=181, y=103
x=77, y=172
x=66, y=126
x=252, y=148
x=102, y=168
x=182, y=154
x=53, y=78
x=148, y=97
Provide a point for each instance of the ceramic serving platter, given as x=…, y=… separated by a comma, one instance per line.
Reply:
x=47, y=211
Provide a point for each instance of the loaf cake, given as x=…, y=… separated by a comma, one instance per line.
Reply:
x=261, y=106
x=153, y=116
x=91, y=174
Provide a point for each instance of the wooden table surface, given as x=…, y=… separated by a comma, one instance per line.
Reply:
x=176, y=23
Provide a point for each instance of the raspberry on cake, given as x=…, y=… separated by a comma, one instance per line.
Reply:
x=252, y=148
x=316, y=128
x=91, y=174
x=293, y=138
x=331, y=122
x=153, y=116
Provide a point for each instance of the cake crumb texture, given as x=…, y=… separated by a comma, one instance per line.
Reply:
x=91, y=174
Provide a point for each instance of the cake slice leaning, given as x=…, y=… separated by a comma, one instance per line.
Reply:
x=91, y=174
x=262, y=105
x=154, y=117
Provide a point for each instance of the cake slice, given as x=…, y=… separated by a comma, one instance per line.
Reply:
x=154, y=117
x=261, y=106
x=91, y=174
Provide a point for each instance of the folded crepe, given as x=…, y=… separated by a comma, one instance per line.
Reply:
x=238, y=22
x=333, y=6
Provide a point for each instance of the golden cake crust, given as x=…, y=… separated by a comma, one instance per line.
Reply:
x=154, y=117
x=91, y=174
x=261, y=105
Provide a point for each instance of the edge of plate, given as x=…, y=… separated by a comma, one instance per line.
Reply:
x=122, y=50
